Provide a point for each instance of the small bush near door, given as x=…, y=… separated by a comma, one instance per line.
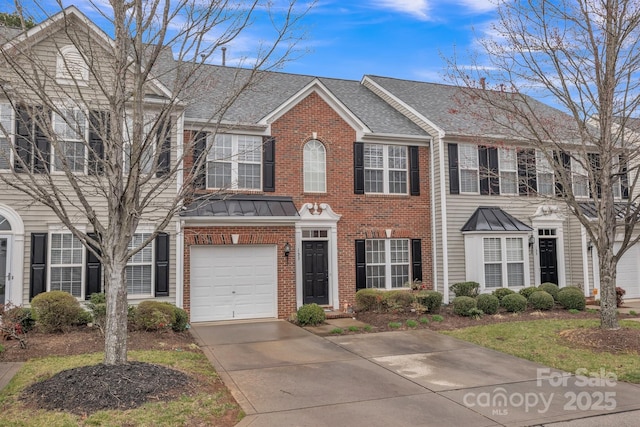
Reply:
x=431, y=300
x=526, y=292
x=154, y=315
x=489, y=304
x=462, y=306
x=56, y=311
x=514, y=303
x=541, y=300
x=465, y=289
x=550, y=288
x=572, y=297
x=311, y=315
x=502, y=292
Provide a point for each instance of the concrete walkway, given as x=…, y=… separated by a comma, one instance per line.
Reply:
x=7, y=371
x=282, y=375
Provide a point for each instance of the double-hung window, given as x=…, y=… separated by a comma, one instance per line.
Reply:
x=6, y=130
x=503, y=262
x=139, y=268
x=545, y=174
x=65, y=270
x=139, y=152
x=235, y=162
x=580, y=179
x=508, y=171
x=70, y=127
x=388, y=263
x=385, y=169
x=468, y=161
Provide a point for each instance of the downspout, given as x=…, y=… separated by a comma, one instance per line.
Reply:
x=585, y=261
x=443, y=214
x=179, y=260
x=434, y=240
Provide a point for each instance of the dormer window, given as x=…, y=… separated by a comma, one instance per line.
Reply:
x=71, y=67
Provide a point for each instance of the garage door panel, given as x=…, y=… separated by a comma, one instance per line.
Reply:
x=233, y=282
x=628, y=271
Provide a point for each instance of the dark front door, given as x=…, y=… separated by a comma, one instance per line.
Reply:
x=316, y=272
x=548, y=261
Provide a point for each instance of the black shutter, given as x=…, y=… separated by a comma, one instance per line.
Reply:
x=42, y=154
x=269, y=164
x=483, y=169
x=164, y=145
x=416, y=259
x=199, y=148
x=564, y=162
x=361, y=265
x=624, y=177
x=527, y=178
x=162, y=265
x=594, y=165
x=99, y=127
x=414, y=170
x=38, y=269
x=93, y=270
x=358, y=168
x=24, y=145
x=454, y=178
x=494, y=174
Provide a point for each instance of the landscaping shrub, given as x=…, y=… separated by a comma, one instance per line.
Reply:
x=514, y=303
x=55, y=311
x=182, y=319
x=397, y=300
x=572, y=297
x=541, y=300
x=462, y=305
x=550, y=288
x=431, y=300
x=17, y=315
x=368, y=300
x=465, y=289
x=489, y=304
x=620, y=296
x=84, y=318
x=311, y=314
x=476, y=313
x=98, y=308
x=526, y=292
x=502, y=292
x=154, y=315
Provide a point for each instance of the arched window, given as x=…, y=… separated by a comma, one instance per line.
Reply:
x=315, y=161
x=4, y=224
x=70, y=66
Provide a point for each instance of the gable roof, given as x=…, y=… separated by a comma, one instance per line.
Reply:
x=494, y=219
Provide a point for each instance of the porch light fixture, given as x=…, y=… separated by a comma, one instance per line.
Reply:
x=532, y=240
x=287, y=250
x=589, y=245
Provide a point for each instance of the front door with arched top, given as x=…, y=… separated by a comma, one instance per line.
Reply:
x=5, y=258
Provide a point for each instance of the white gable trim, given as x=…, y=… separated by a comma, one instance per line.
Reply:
x=324, y=93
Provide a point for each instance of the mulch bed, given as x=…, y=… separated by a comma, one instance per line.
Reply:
x=623, y=340
x=106, y=387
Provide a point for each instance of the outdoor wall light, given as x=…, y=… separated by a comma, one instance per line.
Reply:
x=589, y=245
x=287, y=250
x=532, y=240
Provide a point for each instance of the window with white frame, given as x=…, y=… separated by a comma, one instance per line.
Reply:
x=65, y=269
x=71, y=67
x=6, y=129
x=235, y=162
x=580, y=179
x=145, y=155
x=503, y=262
x=385, y=169
x=508, y=171
x=388, y=263
x=70, y=127
x=315, y=162
x=544, y=174
x=139, y=268
x=468, y=163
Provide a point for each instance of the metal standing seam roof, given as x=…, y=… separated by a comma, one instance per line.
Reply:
x=590, y=210
x=244, y=205
x=492, y=218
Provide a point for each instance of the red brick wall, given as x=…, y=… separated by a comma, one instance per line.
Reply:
x=248, y=236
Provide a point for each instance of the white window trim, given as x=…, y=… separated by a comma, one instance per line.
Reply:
x=388, y=264
x=502, y=169
x=461, y=168
x=548, y=169
x=233, y=160
x=10, y=136
x=60, y=229
x=577, y=169
x=317, y=164
x=386, y=169
x=52, y=162
x=152, y=244
x=62, y=71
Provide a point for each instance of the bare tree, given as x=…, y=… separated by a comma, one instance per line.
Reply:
x=127, y=87
x=582, y=56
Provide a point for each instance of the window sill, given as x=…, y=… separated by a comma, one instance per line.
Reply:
x=389, y=196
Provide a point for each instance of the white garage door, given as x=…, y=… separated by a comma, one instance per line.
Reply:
x=233, y=282
x=628, y=272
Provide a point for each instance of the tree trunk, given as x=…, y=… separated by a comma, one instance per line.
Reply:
x=608, y=304
x=115, y=343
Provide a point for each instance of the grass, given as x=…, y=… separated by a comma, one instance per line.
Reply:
x=200, y=408
x=367, y=328
x=337, y=331
x=540, y=342
x=437, y=318
x=353, y=329
x=633, y=312
x=395, y=325
x=423, y=320
x=411, y=323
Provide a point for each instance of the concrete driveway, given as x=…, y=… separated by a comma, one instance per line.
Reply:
x=282, y=375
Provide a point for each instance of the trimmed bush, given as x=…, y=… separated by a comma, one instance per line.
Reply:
x=465, y=289
x=572, y=297
x=463, y=305
x=550, y=288
x=502, y=292
x=368, y=300
x=620, y=296
x=526, y=292
x=514, y=303
x=55, y=311
x=311, y=314
x=98, y=307
x=489, y=304
x=154, y=315
x=397, y=300
x=431, y=300
x=541, y=300
x=182, y=319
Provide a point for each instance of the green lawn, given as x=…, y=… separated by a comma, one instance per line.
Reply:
x=539, y=341
x=200, y=408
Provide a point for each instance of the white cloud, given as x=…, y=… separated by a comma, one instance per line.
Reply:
x=479, y=6
x=418, y=8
